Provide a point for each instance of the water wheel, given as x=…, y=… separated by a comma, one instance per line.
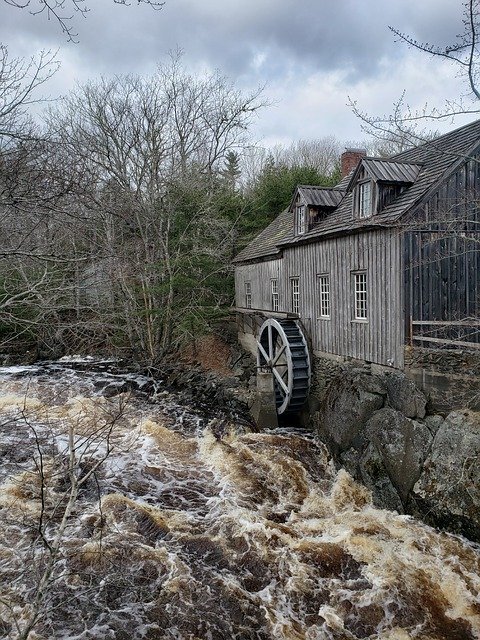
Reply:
x=282, y=348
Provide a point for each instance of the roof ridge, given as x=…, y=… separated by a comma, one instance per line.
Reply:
x=434, y=141
x=312, y=186
x=391, y=159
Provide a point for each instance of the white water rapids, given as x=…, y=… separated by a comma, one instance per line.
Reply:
x=180, y=529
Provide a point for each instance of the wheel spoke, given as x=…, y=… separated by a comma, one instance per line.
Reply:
x=281, y=352
x=263, y=352
x=280, y=381
x=270, y=343
x=282, y=349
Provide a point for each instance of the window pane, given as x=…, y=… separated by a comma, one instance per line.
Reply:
x=295, y=286
x=248, y=295
x=361, y=296
x=365, y=200
x=324, y=286
x=301, y=220
x=274, y=284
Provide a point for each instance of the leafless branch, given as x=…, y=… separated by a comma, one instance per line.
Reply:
x=63, y=11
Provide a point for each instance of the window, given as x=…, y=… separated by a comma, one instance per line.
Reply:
x=274, y=290
x=324, y=288
x=248, y=295
x=364, y=199
x=295, y=288
x=301, y=219
x=360, y=290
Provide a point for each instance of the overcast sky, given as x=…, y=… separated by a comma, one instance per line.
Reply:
x=310, y=54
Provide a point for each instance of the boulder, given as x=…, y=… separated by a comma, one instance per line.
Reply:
x=374, y=475
x=433, y=423
x=403, y=445
x=350, y=402
x=404, y=396
x=448, y=492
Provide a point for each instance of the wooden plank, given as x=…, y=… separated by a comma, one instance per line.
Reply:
x=266, y=312
x=458, y=343
x=458, y=323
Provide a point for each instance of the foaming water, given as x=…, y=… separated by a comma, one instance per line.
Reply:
x=185, y=531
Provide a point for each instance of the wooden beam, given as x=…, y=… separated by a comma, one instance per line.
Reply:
x=456, y=343
x=447, y=323
x=267, y=313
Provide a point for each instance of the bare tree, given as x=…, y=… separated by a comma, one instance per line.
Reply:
x=64, y=10
x=148, y=156
x=19, y=81
x=323, y=154
x=409, y=127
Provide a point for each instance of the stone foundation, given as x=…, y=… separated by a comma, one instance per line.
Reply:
x=450, y=377
x=412, y=437
x=381, y=429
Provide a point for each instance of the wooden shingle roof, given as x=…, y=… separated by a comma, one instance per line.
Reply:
x=432, y=162
x=266, y=243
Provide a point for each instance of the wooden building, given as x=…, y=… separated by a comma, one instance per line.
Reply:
x=388, y=258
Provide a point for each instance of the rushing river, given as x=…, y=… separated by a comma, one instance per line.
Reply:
x=132, y=517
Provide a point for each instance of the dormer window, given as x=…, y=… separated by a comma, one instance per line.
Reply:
x=301, y=219
x=310, y=205
x=364, y=199
x=376, y=183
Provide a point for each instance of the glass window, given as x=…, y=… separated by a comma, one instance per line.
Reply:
x=365, y=199
x=295, y=288
x=248, y=295
x=324, y=288
x=301, y=220
x=274, y=290
x=360, y=284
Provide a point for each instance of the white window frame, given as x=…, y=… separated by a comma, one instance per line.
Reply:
x=323, y=280
x=295, y=294
x=274, y=294
x=360, y=296
x=248, y=295
x=301, y=214
x=365, y=199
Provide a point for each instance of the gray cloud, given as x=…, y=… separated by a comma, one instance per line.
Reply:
x=252, y=41
x=321, y=35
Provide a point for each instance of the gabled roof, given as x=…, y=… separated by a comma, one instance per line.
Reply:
x=435, y=161
x=318, y=196
x=387, y=171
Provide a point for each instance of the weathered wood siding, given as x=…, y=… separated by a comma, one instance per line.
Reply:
x=380, y=338
x=260, y=276
x=442, y=261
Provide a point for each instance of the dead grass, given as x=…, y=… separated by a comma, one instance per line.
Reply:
x=211, y=352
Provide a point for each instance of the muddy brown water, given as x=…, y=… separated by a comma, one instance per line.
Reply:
x=188, y=531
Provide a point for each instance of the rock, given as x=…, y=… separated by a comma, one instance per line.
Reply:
x=374, y=475
x=369, y=469
x=433, y=423
x=448, y=492
x=370, y=383
x=349, y=404
x=115, y=389
x=404, y=396
x=403, y=445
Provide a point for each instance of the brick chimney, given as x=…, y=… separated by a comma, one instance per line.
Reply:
x=350, y=159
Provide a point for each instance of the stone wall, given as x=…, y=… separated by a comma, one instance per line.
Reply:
x=381, y=428
x=450, y=377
